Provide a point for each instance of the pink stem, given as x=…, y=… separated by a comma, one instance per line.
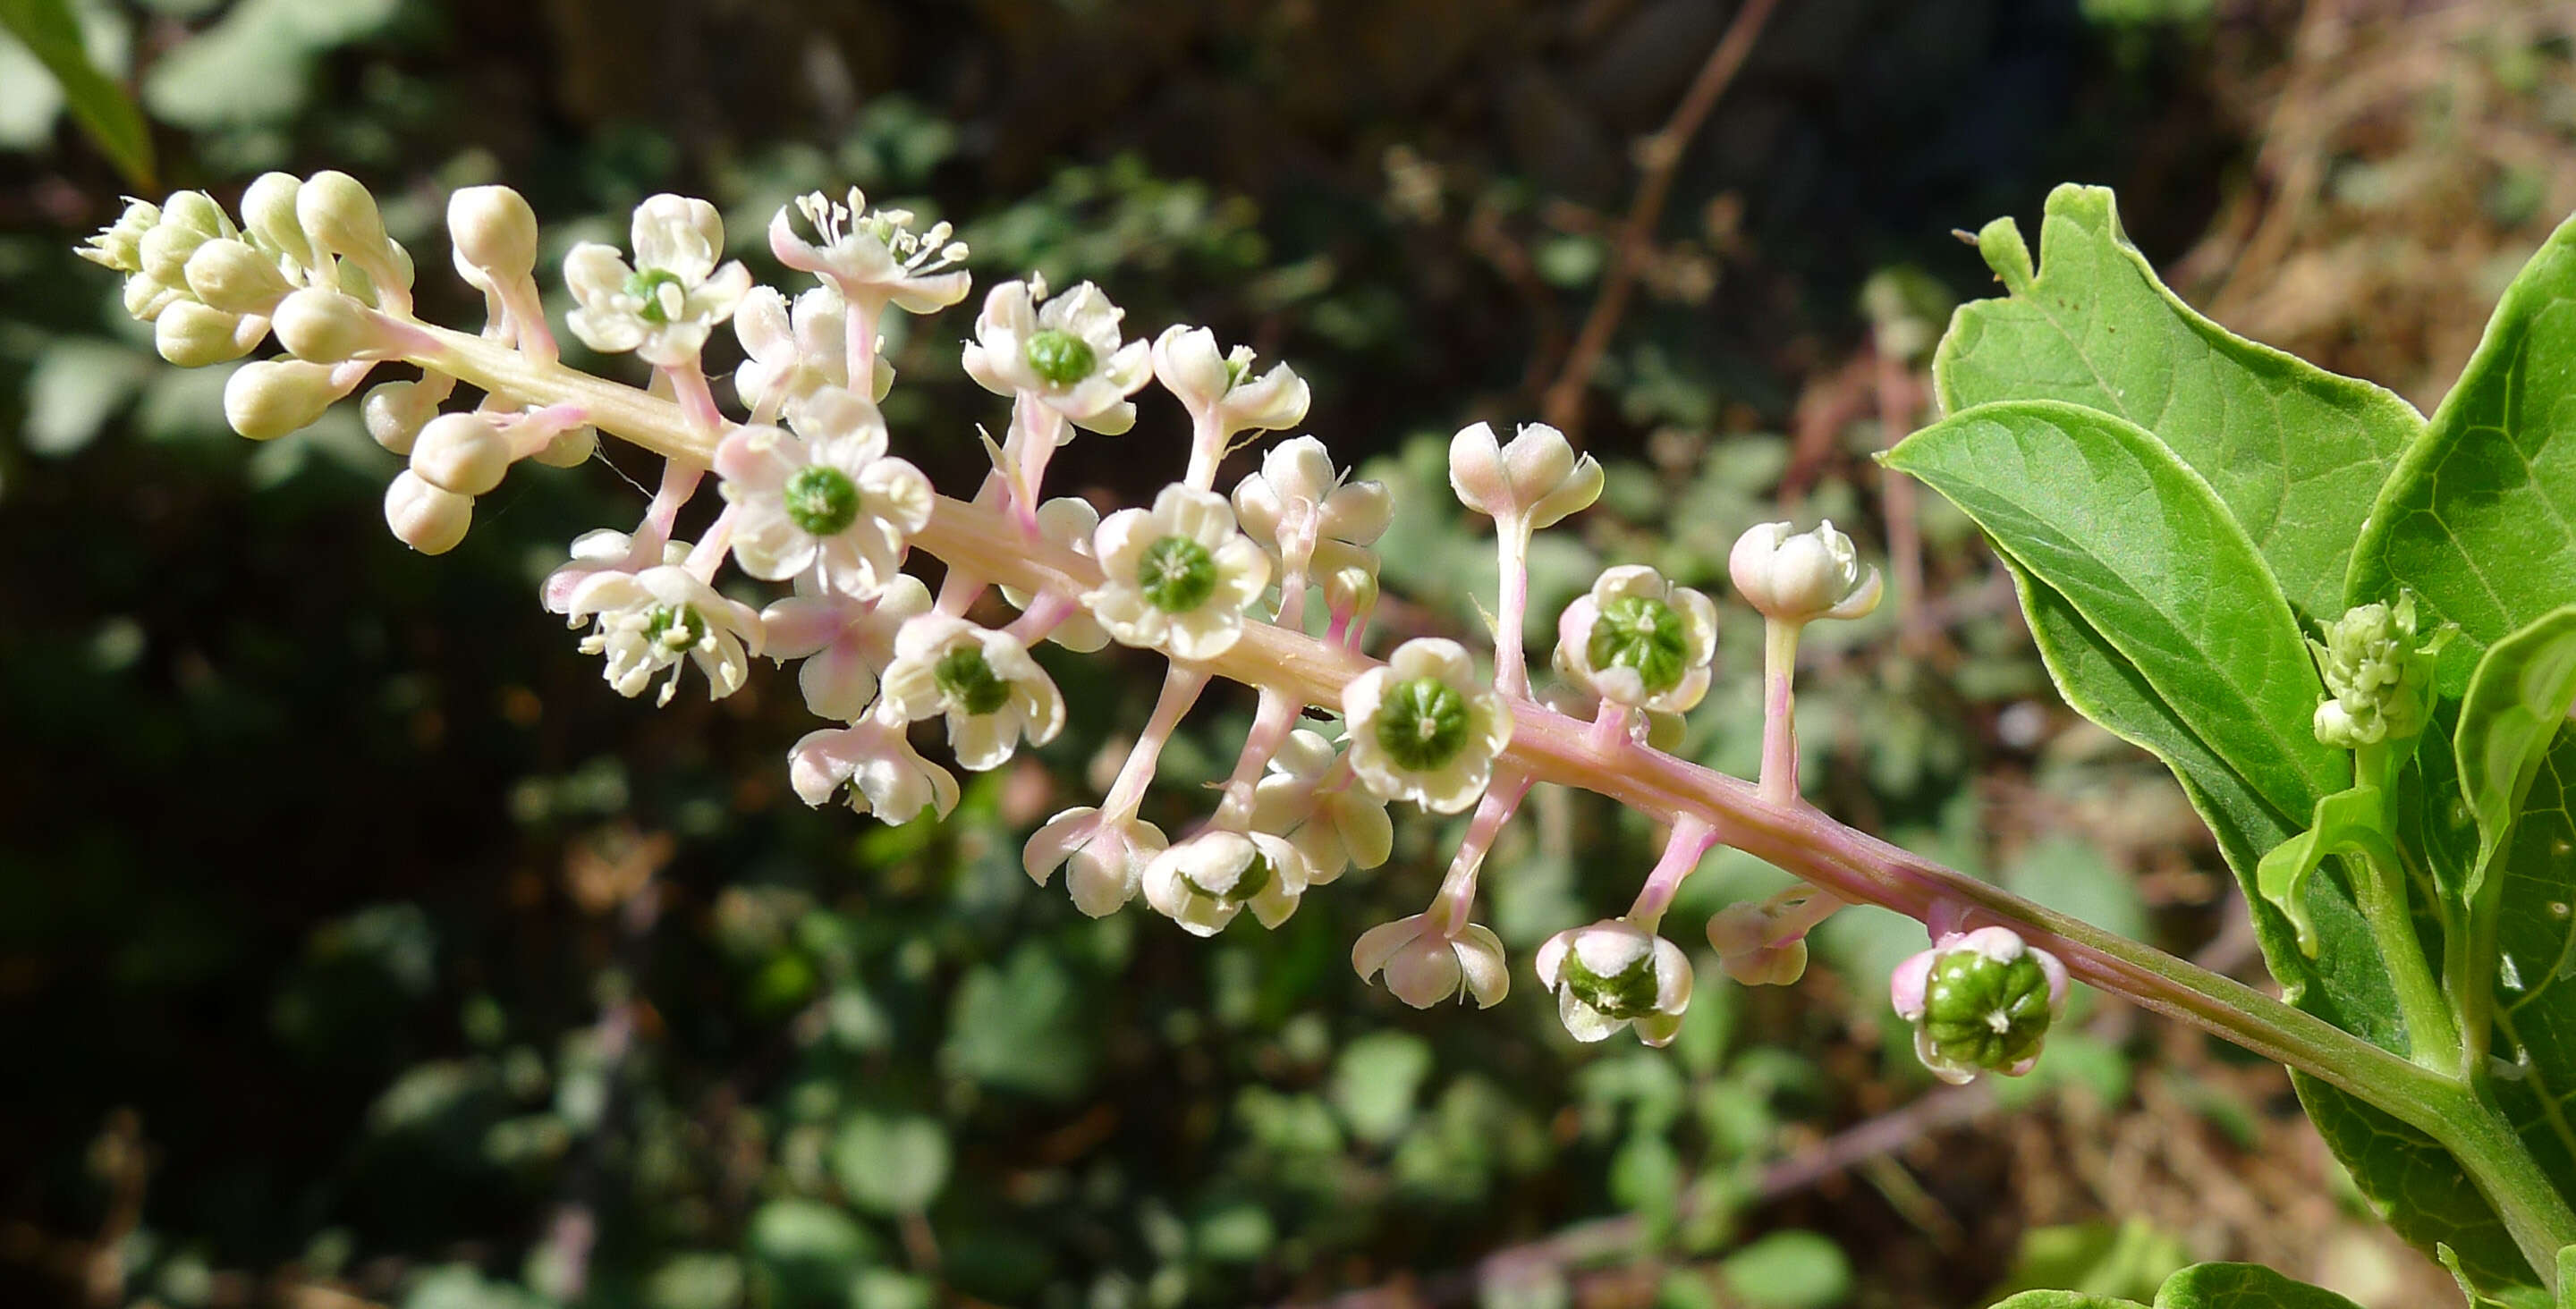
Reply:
x=679, y=483
x=708, y=554
x=1271, y=723
x=1181, y=687
x=1207, y=449
x=1449, y=909
x=1690, y=842
x=1511, y=551
x=1047, y=610
x=860, y=328
x=1779, y=711
x=689, y=387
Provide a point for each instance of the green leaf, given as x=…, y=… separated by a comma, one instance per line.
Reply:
x=1788, y=1270
x=2480, y=517
x=2516, y=702
x=2201, y=1286
x=2138, y=545
x=891, y=1166
x=2294, y=452
x=2343, y=820
x=50, y=33
x=1375, y=1081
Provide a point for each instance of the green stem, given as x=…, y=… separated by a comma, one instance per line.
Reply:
x=2431, y=1036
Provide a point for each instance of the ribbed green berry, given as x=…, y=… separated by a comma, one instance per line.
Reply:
x=1630, y=994
x=1422, y=723
x=821, y=500
x=1983, y=1014
x=1176, y=574
x=970, y=681
x=646, y=284
x=1643, y=633
x=676, y=627
x=1059, y=356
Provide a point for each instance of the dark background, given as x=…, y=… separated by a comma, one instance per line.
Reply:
x=356, y=945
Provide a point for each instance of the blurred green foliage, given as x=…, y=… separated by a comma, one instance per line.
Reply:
x=428, y=970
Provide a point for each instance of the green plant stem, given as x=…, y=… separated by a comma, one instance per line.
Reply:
x=2431, y=1036
x=1792, y=835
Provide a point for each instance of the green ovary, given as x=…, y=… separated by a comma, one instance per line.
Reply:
x=1176, y=574
x=1629, y=995
x=970, y=681
x=821, y=501
x=676, y=627
x=1644, y=634
x=1422, y=723
x=1059, y=356
x=646, y=284
x=1984, y=1014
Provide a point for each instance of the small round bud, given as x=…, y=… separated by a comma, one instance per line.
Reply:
x=1537, y=479
x=235, y=278
x=426, y=518
x=197, y=212
x=463, y=453
x=1803, y=576
x=192, y=335
x=494, y=230
x=268, y=215
x=325, y=326
x=569, y=449
x=394, y=412
x=272, y=397
x=2379, y=677
x=339, y=214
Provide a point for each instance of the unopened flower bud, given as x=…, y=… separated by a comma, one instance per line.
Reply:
x=197, y=212
x=235, y=278
x=395, y=412
x=569, y=449
x=1742, y=935
x=269, y=398
x=2379, y=679
x=1980, y=1001
x=427, y=518
x=494, y=231
x=165, y=251
x=192, y=335
x=147, y=296
x=463, y=453
x=339, y=215
x=1802, y=576
x=119, y=245
x=1424, y=967
x=268, y=215
x=326, y=327
x=1537, y=479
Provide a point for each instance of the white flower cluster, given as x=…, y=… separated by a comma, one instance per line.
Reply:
x=814, y=500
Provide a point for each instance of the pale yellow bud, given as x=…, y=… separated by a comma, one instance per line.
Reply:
x=192, y=335
x=270, y=398
x=569, y=449
x=235, y=278
x=268, y=213
x=463, y=453
x=339, y=214
x=494, y=231
x=394, y=412
x=424, y=517
x=326, y=327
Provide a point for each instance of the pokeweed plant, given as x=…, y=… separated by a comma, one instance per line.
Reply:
x=2346, y=628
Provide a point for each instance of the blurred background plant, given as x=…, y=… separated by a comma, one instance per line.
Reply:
x=356, y=947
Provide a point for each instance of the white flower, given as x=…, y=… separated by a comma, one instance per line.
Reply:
x=845, y=642
x=1064, y=351
x=791, y=352
x=1614, y=973
x=1639, y=640
x=1220, y=390
x=885, y=775
x=872, y=255
x=1297, y=501
x=1424, y=967
x=1536, y=480
x=1176, y=577
x=1103, y=859
x=1203, y=882
x=1802, y=576
x=828, y=498
x=648, y=619
x=1422, y=728
x=1332, y=828
x=1068, y=521
x=983, y=681
x=663, y=307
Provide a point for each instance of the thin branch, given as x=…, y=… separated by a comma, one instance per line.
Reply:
x=1657, y=156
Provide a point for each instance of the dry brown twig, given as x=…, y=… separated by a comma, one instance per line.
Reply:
x=1658, y=156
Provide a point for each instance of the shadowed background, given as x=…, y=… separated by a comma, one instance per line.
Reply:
x=358, y=946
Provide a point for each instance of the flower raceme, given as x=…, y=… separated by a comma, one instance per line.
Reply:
x=816, y=503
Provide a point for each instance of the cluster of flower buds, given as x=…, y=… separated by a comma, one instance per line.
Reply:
x=814, y=501
x=1980, y=1001
x=2379, y=679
